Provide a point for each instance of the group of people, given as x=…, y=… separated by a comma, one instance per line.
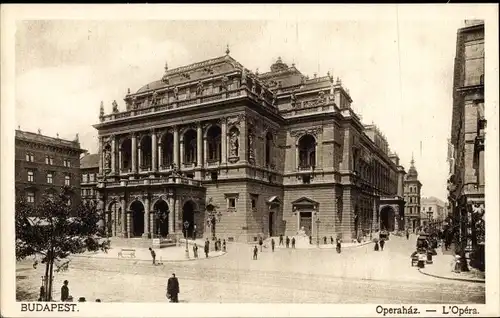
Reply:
x=380, y=243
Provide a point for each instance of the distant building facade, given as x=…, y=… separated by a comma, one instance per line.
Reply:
x=89, y=170
x=412, y=190
x=241, y=155
x=433, y=210
x=466, y=145
x=43, y=165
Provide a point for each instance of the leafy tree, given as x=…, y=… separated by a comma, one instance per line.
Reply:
x=53, y=230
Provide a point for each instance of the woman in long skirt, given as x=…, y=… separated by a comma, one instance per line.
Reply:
x=376, y=246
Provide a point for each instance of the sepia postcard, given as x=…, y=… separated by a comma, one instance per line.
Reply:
x=206, y=160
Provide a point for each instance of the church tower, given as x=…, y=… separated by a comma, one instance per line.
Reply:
x=412, y=187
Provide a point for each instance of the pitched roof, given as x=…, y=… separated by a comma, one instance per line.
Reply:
x=89, y=161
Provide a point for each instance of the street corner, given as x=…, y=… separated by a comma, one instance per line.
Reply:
x=471, y=276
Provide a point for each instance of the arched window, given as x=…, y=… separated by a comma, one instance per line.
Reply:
x=190, y=146
x=167, y=144
x=146, y=153
x=214, y=134
x=269, y=145
x=307, y=151
x=126, y=154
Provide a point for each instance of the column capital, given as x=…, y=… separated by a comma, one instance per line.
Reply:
x=133, y=134
x=152, y=130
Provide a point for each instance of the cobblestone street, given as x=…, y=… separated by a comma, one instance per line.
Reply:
x=357, y=275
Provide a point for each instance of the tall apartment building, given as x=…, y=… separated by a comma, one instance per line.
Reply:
x=468, y=130
x=43, y=165
x=433, y=210
x=89, y=170
x=412, y=190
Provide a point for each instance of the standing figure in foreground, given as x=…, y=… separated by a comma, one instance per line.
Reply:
x=173, y=289
x=255, y=251
x=65, y=291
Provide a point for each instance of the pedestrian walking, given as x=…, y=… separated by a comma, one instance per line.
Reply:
x=173, y=289
x=153, y=255
x=261, y=242
x=382, y=243
x=255, y=251
x=42, y=293
x=324, y=240
x=195, y=250
x=287, y=241
x=219, y=244
x=331, y=240
x=224, y=245
x=272, y=244
x=207, y=248
x=339, y=245
x=281, y=239
x=376, y=246
x=407, y=235
x=293, y=242
x=310, y=239
x=65, y=291
x=216, y=247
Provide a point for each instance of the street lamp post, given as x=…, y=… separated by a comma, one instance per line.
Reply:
x=213, y=218
x=186, y=226
x=317, y=231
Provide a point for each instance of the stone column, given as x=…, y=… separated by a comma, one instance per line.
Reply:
x=123, y=220
x=346, y=154
x=319, y=150
x=205, y=151
x=120, y=160
x=223, y=140
x=101, y=154
x=199, y=150
x=146, y=218
x=129, y=224
x=160, y=156
x=176, y=147
x=152, y=223
x=298, y=220
x=171, y=215
x=139, y=157
x=181, y=161
x=243, y=140
x=297, y=158
x=178, y=215
x=396, y=220
x=113, y=154
x=154, y=149
x=134, y=153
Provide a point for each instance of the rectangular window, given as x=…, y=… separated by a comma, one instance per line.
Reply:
x=85, y=178
x=47, y=160
x=51, y=161
x=92, y=177
x=67, y=180
x=232, y=203
x=49, y=178
x=254, y=203
x=67, y=163
x=31, y=176
x=30, y=197
x=30, y=157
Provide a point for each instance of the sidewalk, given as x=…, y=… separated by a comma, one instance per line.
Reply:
x=442, y=267
x=267, y=243
x=167, y=254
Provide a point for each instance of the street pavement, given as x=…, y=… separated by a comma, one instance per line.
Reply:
x=357, y=275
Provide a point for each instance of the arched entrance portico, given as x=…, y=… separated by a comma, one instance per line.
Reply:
x=188, y=215
x=387, y=215
x=115, y=218
x=137, y=209
x=162, y=215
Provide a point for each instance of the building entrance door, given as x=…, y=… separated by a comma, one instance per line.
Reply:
x=306, y=222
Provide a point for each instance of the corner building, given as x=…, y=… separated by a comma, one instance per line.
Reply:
x=240, y=155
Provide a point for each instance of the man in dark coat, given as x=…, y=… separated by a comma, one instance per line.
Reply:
x=272, y=244
x=207, y=247
x=65, y=291
x=173, y=289
x=261, y=242
x=255, y=251
x=287, y=241
x=281, y=239
x=293, y=242
x=382, y=243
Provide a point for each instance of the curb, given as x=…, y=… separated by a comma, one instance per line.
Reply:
x=449, y=278
x=144, y=260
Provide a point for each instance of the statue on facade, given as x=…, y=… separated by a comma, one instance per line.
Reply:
x=199, y=88
x=293, y=99
x=107, y=159
x=101, y=109
x=302, y=232
x=115, y=106
x=233, y=143
x=176, y=93
x=224, y=81
x=243, y=77
x=154, y=98
x=250, y=146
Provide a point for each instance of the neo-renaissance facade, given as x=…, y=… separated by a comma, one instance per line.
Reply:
x=241, y=155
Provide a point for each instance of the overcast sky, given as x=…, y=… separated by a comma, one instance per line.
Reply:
x=399, y=72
